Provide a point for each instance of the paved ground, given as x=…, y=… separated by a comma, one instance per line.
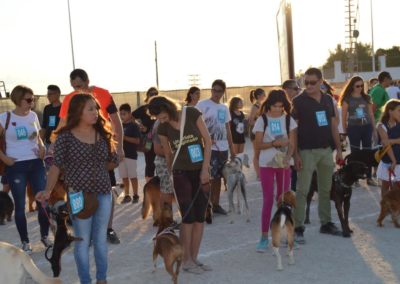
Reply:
x=370, y=256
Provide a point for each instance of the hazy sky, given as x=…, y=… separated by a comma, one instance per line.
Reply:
x=235, y=40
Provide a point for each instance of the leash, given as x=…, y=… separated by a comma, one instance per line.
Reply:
x=52, y=226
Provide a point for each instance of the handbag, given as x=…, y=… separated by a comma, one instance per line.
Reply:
x=83, y=204
x=381, y=152
x=3, y=144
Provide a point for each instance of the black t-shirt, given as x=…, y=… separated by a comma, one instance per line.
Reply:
x=50, y=120
x=314, y=121
x=130, y=130
x=141, y=113
x=237, y=127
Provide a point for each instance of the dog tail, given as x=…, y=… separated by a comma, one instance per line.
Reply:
x=283, y=220
x=37, y=275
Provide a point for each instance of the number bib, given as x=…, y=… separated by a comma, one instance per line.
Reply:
x=22, y=133
x=275, y=127
x=76, y=201
x=321, y=118
x=360, y=112
x=52, y=121
x=221, y=115
x=195, y=153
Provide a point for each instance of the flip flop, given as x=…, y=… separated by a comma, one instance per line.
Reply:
x=193, y=269
x=203, y=266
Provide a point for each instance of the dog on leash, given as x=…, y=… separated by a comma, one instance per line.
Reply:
x=151, y=200
x=62, y=239
x=235, y=179
x=167, y=244
x=15, y=264
x=341, y=191
x=6, y=207
x=283, y=217
x=390, y=204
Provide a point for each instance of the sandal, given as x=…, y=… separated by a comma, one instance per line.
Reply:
x=193, y=269
x=203, y=266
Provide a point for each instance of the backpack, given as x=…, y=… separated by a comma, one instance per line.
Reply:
x=287, y=123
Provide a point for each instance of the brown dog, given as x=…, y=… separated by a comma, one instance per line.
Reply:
x=390, y=203
x=283, y=217
x=151, y=199
x=57, y=194
x=167, y=244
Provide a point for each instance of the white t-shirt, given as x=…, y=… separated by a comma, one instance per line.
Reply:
x=216, y=116
x=276, y=129
x=22, y=136
x=393, y=92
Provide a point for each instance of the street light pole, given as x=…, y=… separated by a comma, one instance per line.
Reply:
x=372, y=39
x=70, y=32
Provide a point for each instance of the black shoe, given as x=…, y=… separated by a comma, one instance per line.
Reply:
x=135, y=199
x=299, y=235
x=217, y=209
x=126, y=199
x=112, y=237
x=331, y=229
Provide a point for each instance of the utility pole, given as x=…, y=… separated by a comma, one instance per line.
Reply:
x=70, y=33
x=156, y=59
x=194, y=80
x=372, y=39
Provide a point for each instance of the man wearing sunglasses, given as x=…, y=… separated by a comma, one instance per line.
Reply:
x=379, y=95
x=317, y=128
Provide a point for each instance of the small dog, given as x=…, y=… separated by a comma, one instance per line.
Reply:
x=341, y=191
x=15, y=264
x=167, y=244
x=234, y=178
x=151, y=199
x=390, y=203
x=62, y=239
x=283, y=217
x=6, y=207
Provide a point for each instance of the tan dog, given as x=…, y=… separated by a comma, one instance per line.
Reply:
x=15, y=264
x=167, y=244
x=284, y=217
x=151, y=199
x=390, y=203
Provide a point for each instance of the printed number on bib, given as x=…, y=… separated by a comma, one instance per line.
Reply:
x=52, y=121
x=76, y=201
x=195, y=153
x=240, y=128
x=275, y=127
x=360, y=112
x=221, y=115
x=22, y=133
x=321, y=118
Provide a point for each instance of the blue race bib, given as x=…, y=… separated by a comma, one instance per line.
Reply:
x=76, y=201
x=275, y=127
x=22, y=133
x=321, y=118
x=195, y=153
x=221, y=115
x=52, y=121
x=360, y=112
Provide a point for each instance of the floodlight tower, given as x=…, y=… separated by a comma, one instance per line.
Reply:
x=352, y=33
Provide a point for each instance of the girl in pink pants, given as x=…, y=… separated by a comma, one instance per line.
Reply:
x=275, y=138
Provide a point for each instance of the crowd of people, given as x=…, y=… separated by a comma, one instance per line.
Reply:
x=294, y=132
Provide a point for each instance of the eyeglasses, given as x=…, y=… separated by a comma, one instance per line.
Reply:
x=312, y=83
x=358, y=86
x=219, y=91
x=29, y=100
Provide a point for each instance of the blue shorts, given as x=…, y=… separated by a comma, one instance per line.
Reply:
x=218, y=160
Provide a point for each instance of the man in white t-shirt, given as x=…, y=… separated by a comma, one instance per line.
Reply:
x=217, y=117
x=393, y=91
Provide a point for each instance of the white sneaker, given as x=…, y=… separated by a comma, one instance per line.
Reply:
x=26, y=247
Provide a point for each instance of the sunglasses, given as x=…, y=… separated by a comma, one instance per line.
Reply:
x=358, y=86
x=29, y=100
x=312, y=83
x=218, y=91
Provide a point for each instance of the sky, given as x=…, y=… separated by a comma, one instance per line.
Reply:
x=235, y=40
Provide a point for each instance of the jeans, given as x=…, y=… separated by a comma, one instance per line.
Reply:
x=93, y=228
x=360, y=134
x=18, y=175
x=267, y=177
x=320, y=160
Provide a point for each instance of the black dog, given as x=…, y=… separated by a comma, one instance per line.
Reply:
x=6, y=207
x=365, y=156
x=62, y=239
x=341, y=191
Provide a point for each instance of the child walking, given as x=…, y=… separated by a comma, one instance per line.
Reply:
x=237, y=124
x=275, y=139
x=128, y=167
